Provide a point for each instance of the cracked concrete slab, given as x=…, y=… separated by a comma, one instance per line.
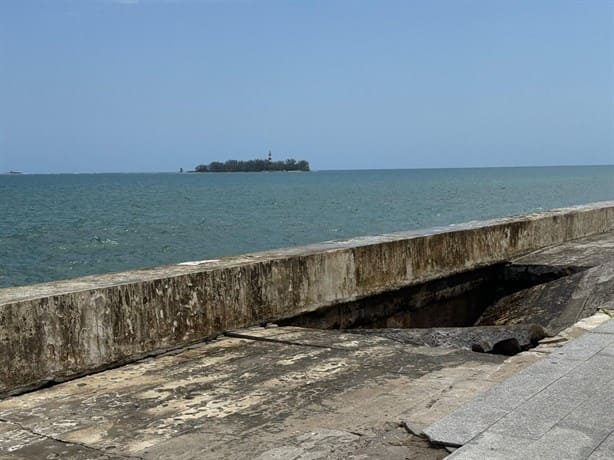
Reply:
x=236, y=395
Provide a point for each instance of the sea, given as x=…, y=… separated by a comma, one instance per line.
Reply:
x=62, y=226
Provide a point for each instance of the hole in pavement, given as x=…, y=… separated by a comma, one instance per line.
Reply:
x=443, y=312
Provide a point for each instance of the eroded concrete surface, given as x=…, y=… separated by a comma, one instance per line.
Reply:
x=282, y=393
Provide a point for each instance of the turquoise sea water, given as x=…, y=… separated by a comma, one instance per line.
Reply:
x=63, y=226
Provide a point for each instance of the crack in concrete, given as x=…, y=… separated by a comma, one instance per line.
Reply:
x=69, y=443
x=255, y=338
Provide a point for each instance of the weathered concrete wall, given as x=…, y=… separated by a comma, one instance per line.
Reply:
x=55, y=331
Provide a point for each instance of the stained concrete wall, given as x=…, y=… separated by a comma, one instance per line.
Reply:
x=56, y=331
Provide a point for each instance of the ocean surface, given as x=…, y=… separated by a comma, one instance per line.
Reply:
x=68, y=225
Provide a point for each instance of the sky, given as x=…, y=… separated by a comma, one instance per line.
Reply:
x=155, y=85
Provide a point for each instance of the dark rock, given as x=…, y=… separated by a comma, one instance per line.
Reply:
x=507, y=347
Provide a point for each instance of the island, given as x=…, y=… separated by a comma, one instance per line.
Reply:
x=257, y=165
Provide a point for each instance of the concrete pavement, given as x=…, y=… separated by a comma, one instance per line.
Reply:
x=560, y=407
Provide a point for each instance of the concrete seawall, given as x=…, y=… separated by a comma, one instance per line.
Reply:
x=56, y=331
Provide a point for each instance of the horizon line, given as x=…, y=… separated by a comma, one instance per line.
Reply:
x=316, y=170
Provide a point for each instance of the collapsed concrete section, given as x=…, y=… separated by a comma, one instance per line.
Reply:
x=57, y=331
x=503, y=308
x=555, y=305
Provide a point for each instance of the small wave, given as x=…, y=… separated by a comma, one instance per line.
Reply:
x=199, y=262
x=106, y=241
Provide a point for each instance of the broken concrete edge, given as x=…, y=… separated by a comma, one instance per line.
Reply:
x=483, y=339
x=441, y=443
x=56, y=331
x=412, y=428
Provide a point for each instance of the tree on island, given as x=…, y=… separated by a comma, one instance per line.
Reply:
x=254, y=165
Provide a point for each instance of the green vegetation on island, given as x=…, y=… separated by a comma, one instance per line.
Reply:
x=254, y=165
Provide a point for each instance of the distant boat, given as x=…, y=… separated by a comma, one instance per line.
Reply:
x=13, y=173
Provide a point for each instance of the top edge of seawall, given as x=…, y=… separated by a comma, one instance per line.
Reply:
x=90, y=282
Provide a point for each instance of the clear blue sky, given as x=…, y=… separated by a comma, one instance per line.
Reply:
x=154, y=85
